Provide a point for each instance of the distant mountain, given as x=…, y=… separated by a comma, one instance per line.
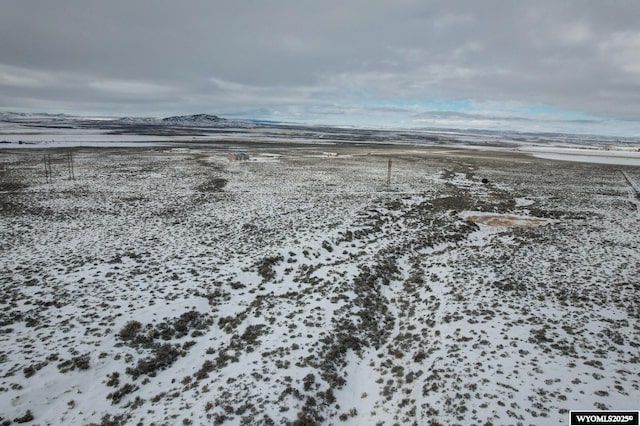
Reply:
x=188, y=123
x=194, y=120
x=27, y=117
x=137, y=120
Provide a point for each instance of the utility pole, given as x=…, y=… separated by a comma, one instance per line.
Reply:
x=72, y=174
x=48, y=175
x=46, y=171
x=389, y=173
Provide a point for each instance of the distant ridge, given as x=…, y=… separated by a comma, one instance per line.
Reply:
x=193, y=120
x=136, y=120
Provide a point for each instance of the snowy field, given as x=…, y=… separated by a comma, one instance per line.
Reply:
x=173, y=286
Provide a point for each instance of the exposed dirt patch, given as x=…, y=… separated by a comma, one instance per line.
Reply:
x=506, y=220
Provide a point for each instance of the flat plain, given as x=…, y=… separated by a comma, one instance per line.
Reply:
x=168, y=285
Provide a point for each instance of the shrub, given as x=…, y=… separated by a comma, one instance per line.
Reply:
x=164, y=355
x=24, y=419
x=252, y=333
x=130, y=330
x=265, y=267
x=117, y=395
x=114, y=379
x=82, y=362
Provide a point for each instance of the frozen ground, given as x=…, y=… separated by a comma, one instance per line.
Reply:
x=175, y=287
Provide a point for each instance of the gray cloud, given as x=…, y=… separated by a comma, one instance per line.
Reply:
x=160, y=56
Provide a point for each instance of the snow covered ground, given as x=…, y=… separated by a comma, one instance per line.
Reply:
x=169, y=286
x=628, y=156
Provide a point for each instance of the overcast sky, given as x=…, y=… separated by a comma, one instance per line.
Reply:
x=525, y=65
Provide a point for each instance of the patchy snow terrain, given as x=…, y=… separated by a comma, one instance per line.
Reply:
x=169, y=286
